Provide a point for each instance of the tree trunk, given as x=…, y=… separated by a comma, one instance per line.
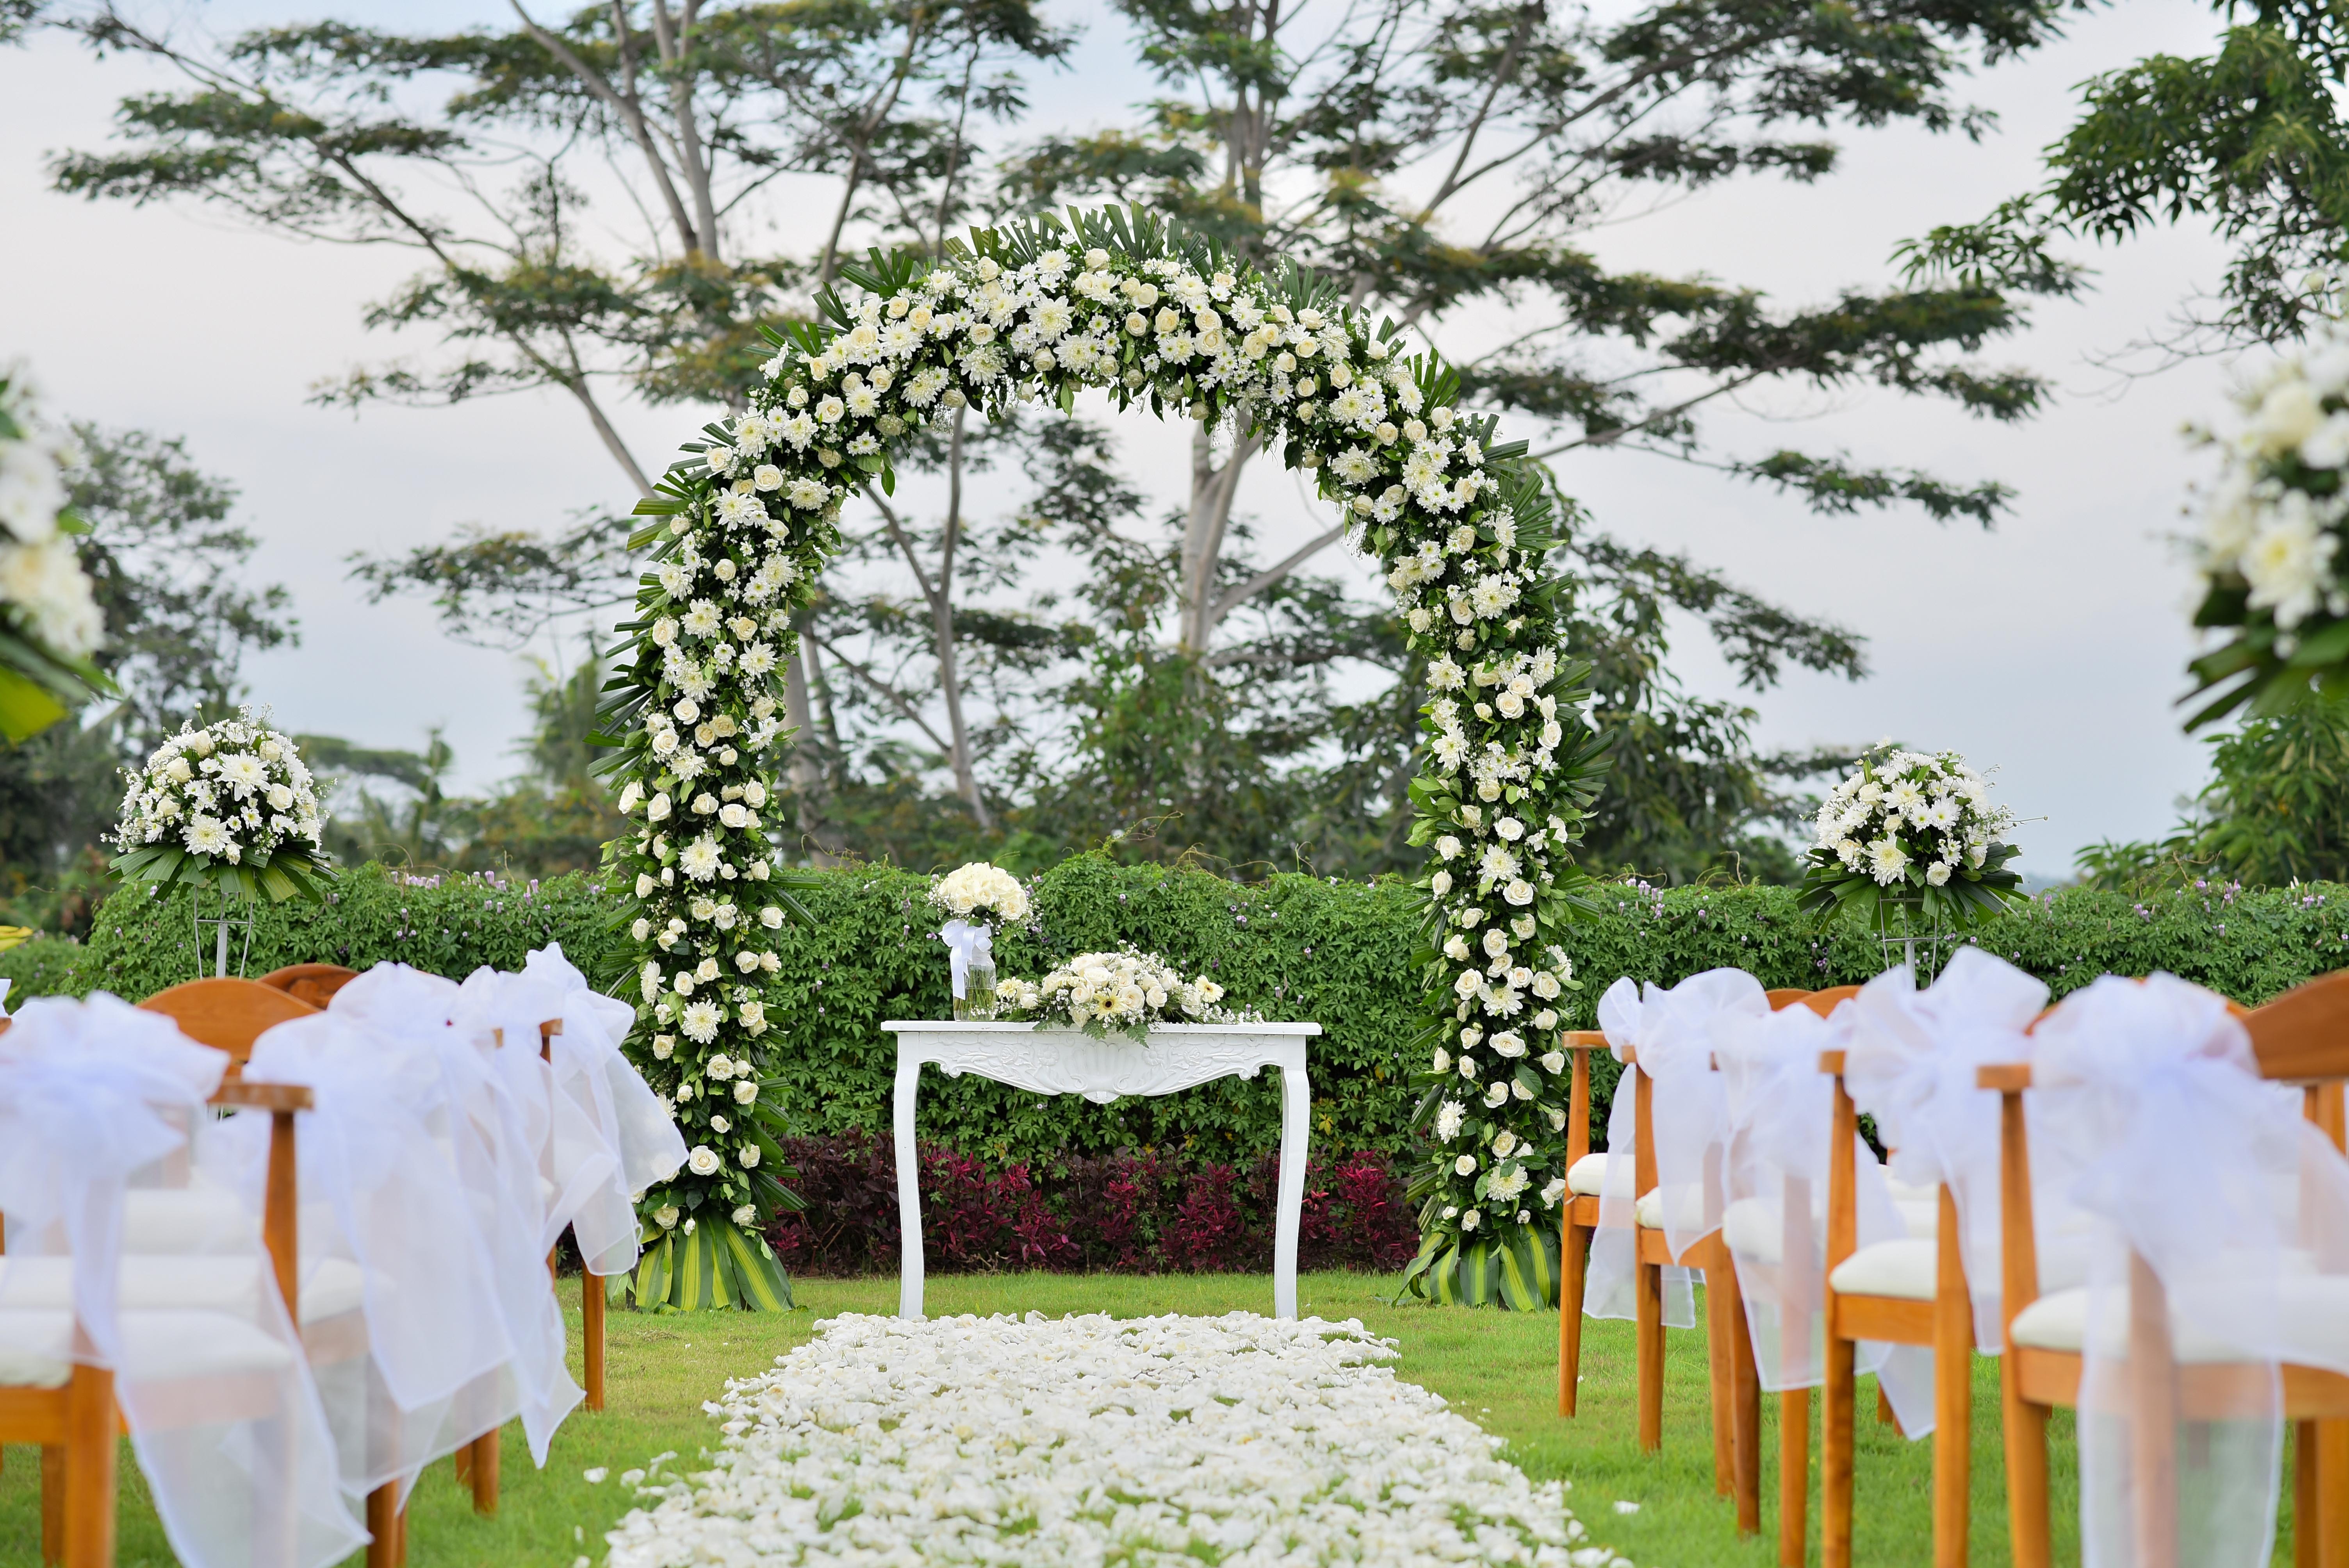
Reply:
x=943, y=634
x=806, y=772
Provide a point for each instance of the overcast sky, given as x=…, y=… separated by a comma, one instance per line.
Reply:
x=2052, y=648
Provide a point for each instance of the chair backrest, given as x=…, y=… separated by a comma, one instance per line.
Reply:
x=1786, y=997
x=2303, y=1036
x=1827, y=1001
x=312, y=983
x=226, y=1014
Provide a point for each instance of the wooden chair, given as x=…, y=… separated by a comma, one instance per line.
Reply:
x=1795, y=1404
x=1735, y=1390
x=1884, y=1295
x=76, y=1427
x=2300, y=1037
x=312, y=983
x=227, y=1013
x=477, y=1461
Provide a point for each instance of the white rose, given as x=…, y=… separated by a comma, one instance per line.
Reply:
x=1553, y=1061
x=1465, y=1165
x=745, y=1214
x=745, y=1092
x=750, y=1156
x=703, y=1161
x=771, y=917
x=1468, y=1220
x=666, y=1218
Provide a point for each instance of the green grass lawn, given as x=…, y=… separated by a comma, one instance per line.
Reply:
x=1497, y=1369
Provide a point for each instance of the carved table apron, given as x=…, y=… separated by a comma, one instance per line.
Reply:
x=1067, y=1061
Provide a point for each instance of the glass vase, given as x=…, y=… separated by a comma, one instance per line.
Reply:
x=976, y=1005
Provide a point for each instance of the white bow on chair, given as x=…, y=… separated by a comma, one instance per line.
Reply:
x=100, y=1100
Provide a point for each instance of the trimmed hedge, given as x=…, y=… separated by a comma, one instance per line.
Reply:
x=1292, y=946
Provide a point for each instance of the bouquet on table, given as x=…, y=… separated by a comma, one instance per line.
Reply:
x=230, y=806
x=2274, y=568
x=1124, y=992
x=1910, y=844
x=965, y=895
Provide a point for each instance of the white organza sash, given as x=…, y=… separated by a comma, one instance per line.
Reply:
x=101, y=1112
x=495, y=1144
x=1911, y=1064
x=632, y=1122
x=398, y=1281
x=1780, y=1114
x=2152, y=1135
x=1670, y=1030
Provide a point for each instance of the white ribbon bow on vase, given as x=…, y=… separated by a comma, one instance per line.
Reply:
x=966, y=943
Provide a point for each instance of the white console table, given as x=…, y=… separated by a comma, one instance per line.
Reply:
x=1046, y=1060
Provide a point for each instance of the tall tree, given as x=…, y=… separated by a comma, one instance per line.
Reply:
x=2249, y=140
x=695, y=110
x=1449, y=155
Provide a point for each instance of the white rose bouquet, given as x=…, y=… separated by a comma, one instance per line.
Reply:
x=1124, y=992
x=1908, y=833
x=979, y=888
x=2273, y=564
x=50, y=623
x=231, y=806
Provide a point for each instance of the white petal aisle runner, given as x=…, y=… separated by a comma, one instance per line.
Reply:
x=1096, y=1440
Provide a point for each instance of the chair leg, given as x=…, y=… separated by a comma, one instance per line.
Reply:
x=485, y=1472
x=383, y=1526
x=1836, y=1414
x=1746, y=1405
x=1574, y=1273
x=90, y=1450
x=2024, y=1428
x=399, y=1538
x=1793, y=1475
x=1721, y=1380
x=2332, y=1494
x=1953, y=1415
x=1647, y=1319
x=591, y=1335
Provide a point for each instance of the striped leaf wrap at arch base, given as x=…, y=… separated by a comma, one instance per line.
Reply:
x=1160, y=318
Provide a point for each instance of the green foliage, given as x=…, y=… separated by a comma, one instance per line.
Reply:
x=1292, y=946
x=2249, y=141
x=2276, y=811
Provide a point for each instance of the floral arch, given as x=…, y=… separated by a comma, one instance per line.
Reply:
x=1164, y=319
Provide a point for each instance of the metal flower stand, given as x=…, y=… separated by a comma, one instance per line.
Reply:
x=235, y=914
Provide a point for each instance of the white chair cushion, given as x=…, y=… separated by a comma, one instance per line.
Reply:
x=195, y=1283
x=2316, y=1313
x=1587, y=1175
x=1755, y=1232
x=36, y=1347
x=1649, y=1211
x=196, y=1219
x=1905, y=1269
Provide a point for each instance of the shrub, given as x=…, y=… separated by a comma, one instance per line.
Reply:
x=1294, y=946
x=1138, y=1211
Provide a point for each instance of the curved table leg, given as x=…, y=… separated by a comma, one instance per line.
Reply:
x=909, y=1187
x=1296, y=1107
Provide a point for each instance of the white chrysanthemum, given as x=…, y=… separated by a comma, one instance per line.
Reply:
x=700, y=1023
x=701, y=859
x=1885, y=860
x=2286, y=560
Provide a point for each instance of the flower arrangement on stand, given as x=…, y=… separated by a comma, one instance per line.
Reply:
x=1120, y=992
x=49, y=621
x=1117, y=301
x=1910, y=846
x=230, y=807
x=2274, y=549
x=977, y=889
